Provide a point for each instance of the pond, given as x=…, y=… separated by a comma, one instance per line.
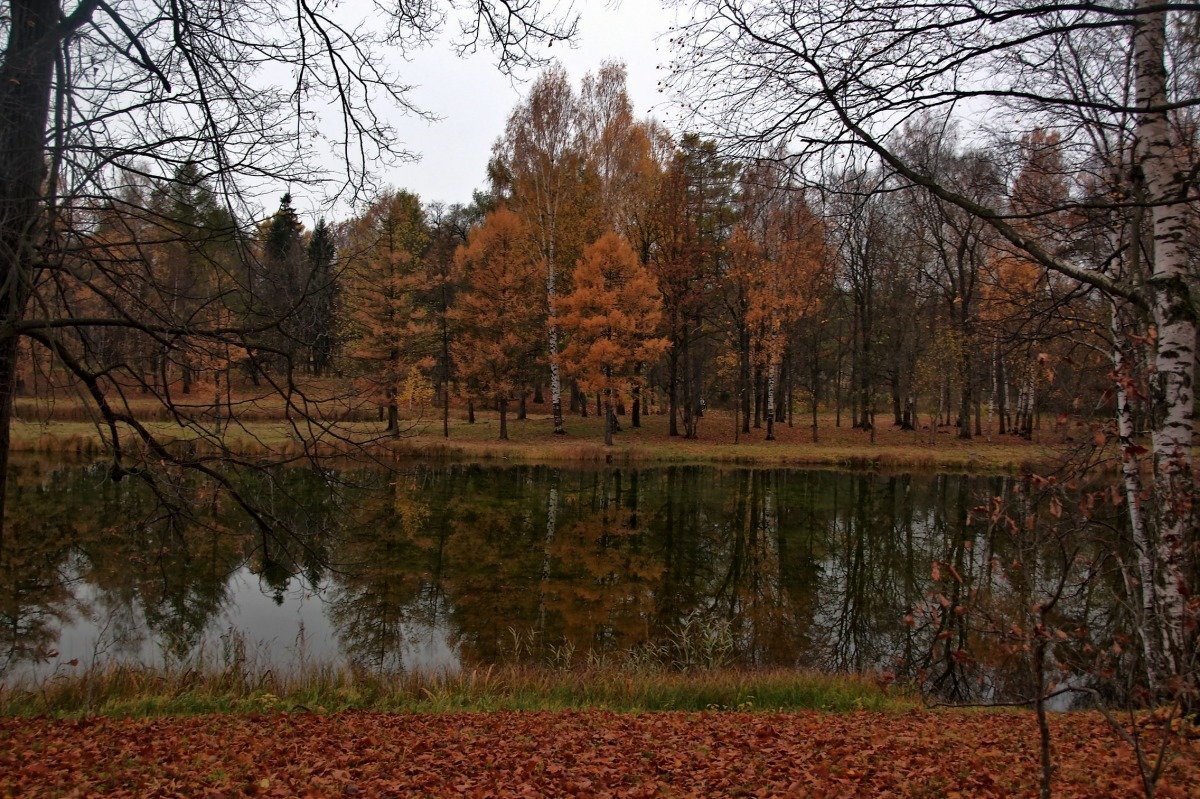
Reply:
x=452, y=566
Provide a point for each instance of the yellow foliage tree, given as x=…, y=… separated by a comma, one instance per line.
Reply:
x=498, y=313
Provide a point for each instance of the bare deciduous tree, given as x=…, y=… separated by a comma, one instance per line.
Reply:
x=100, y=99
x=838, y=81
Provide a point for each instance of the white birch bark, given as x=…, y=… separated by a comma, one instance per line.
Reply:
x=772, y=369
x=1175, y=324
x=1131, y=477
x=555, y=379
x=540, y=137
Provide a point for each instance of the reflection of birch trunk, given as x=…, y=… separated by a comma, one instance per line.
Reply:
x=551, y=524
x=770, y=522
x=1175, y=322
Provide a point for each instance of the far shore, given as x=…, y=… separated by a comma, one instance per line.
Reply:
x=532, y=441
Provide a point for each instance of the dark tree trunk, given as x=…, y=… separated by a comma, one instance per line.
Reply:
x=609, y=419
x=744, y=377
x=521, y=407
x=537, y=395
x=814, y=417
x=503, y=407
x=964, y=409
x=446, y=410
x=689, y=393
x=26, y=78
x=673, y=390
x=866, y=409
x=783, y=392
x=853, y=387
x=897, y=412
x=470, y=411
x=853, y=392
x=8, y=372
x=635, y=418
x=445, y=367
x=1001, y=396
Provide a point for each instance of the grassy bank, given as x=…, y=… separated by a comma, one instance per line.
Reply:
x=140, y=691
x=532, y=441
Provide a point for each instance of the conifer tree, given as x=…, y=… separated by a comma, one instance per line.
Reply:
x=497, y=314
x=384, y=249
x=320, y=321
x=607, y=319
x=189, y=246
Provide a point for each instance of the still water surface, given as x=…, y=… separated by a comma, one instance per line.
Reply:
x=450, y=566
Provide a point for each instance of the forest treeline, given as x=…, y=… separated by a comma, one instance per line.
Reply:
x=609, y=267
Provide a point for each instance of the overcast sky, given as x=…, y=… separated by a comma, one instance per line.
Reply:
x=473, y=100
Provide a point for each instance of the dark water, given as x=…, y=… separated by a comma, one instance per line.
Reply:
x=453, y=566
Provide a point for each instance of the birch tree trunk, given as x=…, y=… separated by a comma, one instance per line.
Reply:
x=555, y=380
x=1174, y=319
x=1131, y=475
x=771, y=378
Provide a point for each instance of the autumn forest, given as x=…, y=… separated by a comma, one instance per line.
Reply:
x=612, y=268
x=731, y=448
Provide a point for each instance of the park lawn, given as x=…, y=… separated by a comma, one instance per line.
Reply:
x=532, y=441
x=576, y=753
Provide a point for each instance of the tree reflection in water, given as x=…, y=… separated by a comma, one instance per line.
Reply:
x=454, y=565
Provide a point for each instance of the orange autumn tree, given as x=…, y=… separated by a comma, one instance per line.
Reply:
x=498, y=312
x=606, y=319
x=788, y=287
